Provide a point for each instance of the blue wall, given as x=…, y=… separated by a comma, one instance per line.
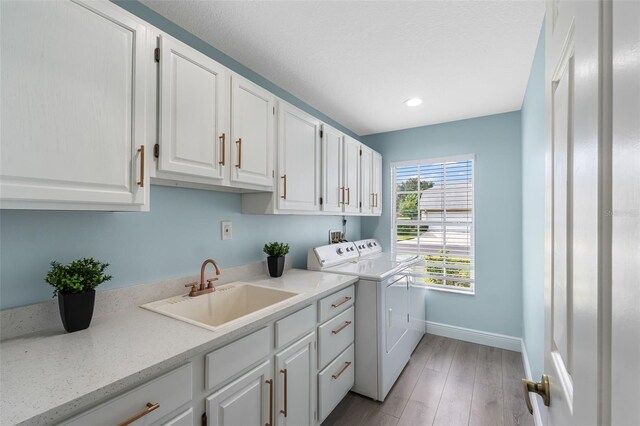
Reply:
x=181, y=230
x=495, y=140
x=533, y=129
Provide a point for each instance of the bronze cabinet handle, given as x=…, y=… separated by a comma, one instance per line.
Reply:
x=541, y=388
x=141, y=152
x=342, y=193
x=284, y=197
x=150, y=407
x=373, y=199
x=221, y=138
x=342, y=327
x=286, y=394
x=349, y=196
x=270, y=383
x=239, y=144
x=345, y=300
x=339, y=373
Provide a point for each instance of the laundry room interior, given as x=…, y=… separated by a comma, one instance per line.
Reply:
x=319, y=213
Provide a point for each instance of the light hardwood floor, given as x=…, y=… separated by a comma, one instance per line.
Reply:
x=446, y=382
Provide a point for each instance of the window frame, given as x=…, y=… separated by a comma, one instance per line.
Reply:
x=393, y=231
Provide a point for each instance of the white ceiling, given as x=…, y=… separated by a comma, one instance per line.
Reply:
x=357, y=61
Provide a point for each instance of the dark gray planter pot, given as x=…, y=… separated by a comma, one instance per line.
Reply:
x=76, y=310
x=276, y=265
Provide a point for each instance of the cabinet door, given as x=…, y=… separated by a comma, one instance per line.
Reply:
x=194, y=105
x=351, y=173
x=245, y=401
x=298, y=160
x=331, y=169
x=73, y=106
x=367, y=197
x=252, y=116
x=377, y=183
x=295, y=383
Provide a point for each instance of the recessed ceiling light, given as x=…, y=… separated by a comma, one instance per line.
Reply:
x=413, y=102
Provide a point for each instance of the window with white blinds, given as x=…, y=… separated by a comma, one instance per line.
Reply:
x=433, y=218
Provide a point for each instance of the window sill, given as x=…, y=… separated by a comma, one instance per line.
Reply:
x=451, y=290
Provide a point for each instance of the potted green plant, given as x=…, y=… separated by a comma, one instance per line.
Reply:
x=75, y=284
x=275, y=257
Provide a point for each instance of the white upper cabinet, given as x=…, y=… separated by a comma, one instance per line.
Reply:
x=252, y=117
x=367, y=196
x=298, y=160
x=377, y=183
x=351, y=173
x=331, y=169
x=194, y=112
x=73, y=106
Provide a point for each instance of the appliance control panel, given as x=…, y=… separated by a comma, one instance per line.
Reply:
x=330, y=255
x=366, y=247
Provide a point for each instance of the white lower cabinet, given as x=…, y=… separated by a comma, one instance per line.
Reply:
x=296, y=383
x=145, y=404
x=246, y=401
x=270, y=376
x=335, y=381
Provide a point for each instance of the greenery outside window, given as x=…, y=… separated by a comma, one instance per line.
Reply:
x=433, y=217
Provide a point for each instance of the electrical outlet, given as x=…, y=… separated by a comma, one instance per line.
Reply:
x=227, y=230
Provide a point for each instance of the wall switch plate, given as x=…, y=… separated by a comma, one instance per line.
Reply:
x=227, y=230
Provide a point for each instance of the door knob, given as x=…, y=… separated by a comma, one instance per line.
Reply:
x=541, y=388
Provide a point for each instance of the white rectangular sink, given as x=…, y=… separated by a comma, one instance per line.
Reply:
x=227, y=304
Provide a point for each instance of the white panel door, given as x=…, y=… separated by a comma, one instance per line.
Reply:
x=367, y=196
x=296, y=384
x=298, y=160
x=252, y=117
x=331, y=169
x=625, y=209
x=351, y=173
x=194, y=111
x=396, y=298
x=73, y=106
x=245, y=401
x=574, y=235
x=377, y=183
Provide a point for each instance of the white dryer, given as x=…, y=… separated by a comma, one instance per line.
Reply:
x=389, y=309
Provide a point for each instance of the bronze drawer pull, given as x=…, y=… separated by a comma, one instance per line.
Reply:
x=270, y=383
x=141, y=151
x=286, y=394
x=239, y=143
x=150, y=407
x=284, y=197
x=221, y=162
x=346, y=365
x=345, y=300
x=342, y=327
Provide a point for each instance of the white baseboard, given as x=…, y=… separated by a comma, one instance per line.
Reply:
x=537, y=417
x=475, y=336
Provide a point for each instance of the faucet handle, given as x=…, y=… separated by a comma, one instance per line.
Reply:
x=210, y=282
x=194, y=287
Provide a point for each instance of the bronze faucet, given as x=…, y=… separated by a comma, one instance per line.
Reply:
x=195, y=291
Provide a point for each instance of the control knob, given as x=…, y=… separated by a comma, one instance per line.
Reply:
x=339, y=251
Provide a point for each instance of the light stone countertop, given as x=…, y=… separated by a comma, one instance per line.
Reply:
x=47, y=376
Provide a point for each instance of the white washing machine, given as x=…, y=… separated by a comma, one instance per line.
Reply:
x=390, y=310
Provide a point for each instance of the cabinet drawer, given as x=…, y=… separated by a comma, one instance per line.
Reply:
x=334, y=382
x=334, y=336
x=169, y=391
x=335, y=303
x=230, y=360
x=295, y=325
